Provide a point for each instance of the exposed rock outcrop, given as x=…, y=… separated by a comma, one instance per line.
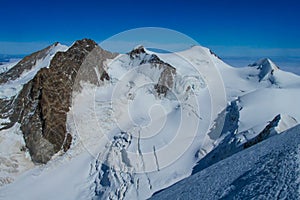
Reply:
x=266, y=69
x=279, y=124
x=166, y=79
x=42, y=105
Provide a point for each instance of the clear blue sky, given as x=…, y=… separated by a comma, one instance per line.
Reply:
x=230, y=27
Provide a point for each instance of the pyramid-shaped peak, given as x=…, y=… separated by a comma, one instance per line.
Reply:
x=266, y=68
x=264, y=63
x=138, y=50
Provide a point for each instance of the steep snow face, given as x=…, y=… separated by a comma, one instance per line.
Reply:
x=13, y=87
x=267, y=170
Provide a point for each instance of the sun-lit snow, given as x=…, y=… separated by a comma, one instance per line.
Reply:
x=269, y=170
x=14, y=159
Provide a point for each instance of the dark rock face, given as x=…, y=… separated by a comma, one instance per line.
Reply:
x=166, y=79
x=42, y=105
x=10, y=108
x=264, y=134
x=136, y=52
x=48, y=100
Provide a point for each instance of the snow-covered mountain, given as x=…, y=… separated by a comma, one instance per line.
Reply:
x=91, y=124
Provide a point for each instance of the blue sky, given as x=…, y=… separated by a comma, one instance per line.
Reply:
x=231, y=28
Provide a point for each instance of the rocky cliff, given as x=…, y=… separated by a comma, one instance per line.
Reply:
x=42, y=105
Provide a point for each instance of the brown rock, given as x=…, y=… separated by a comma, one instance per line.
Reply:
x=43, y=103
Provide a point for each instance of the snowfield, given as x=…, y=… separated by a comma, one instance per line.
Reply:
x=132, y=139
x=268, y=170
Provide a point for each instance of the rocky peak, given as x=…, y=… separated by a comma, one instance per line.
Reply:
x=264, y=63
x=29, y=62
x=266, y=69
x=84, y=44
x=137, y=51
x=166, y=80
x=42, y=105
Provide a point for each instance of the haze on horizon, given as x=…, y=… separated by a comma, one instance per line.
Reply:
x=240, y=32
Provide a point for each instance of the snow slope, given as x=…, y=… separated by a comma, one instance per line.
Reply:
x=61, y=178
x=139, y=127
x=13, y=162
x=268, y=170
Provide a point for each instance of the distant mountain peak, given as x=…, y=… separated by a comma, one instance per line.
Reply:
x=265, y=63
x=140, y=49
x=266, y=68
